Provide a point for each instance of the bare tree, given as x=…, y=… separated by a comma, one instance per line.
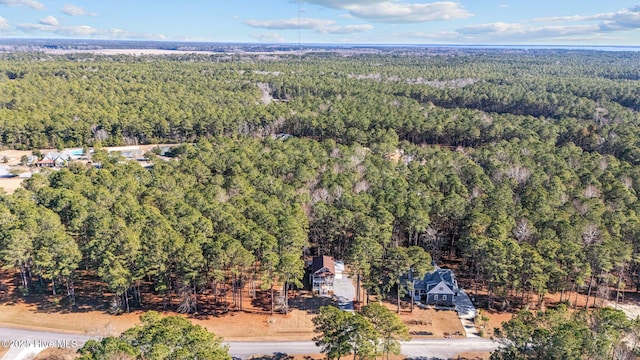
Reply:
x=591, y=191
x=187, y=300
x=522, y=231
x=99, y=133
x=591, y=235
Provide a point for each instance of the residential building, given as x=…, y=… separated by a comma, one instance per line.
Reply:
x=322, y=275
x=438, y=287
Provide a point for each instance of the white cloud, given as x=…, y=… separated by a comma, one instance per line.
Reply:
x=498, y=27
x=49, y=20
x=74, y=10
x=577, y=28
x=394, y=11
x=82, y=30
x=346, y=29
x=4, y=24
x=318, y=25
x=448, y=36
x=513, y=33
x=628, y=18
x=268, y=37
x=560, y=18
x=87, y=31
x=504, y=6
x=28, y=3
x=123, y=34
x=341, y=4
x=290, y=24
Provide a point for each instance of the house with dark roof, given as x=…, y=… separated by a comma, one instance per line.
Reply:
x=323, y=272
x=438, y=287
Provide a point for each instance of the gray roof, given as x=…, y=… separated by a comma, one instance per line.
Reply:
x=437, y=276
x=57, y=156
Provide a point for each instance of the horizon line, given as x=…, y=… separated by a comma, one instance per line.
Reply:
x=432, y=45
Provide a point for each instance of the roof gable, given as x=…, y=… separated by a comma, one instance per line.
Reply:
x=441, y=288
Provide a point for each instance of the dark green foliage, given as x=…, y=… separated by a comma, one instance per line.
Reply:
x=158, y=337
x=524, y=165
x=604, y=333
x=376, y=331
x=389, y=328
x=108, y=348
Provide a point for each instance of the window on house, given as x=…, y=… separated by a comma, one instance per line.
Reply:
x=435, y=297
x=444, y=297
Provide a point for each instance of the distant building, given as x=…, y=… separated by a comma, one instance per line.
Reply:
x=323, y=272
x=46, y=163
x=54, y=159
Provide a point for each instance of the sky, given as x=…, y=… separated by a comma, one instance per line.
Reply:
x=542, y=22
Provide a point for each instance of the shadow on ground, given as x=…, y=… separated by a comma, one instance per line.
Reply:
x=309, y=304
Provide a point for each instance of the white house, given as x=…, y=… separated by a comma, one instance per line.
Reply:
x=322, y=275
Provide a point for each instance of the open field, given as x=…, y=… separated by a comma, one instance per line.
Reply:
x=91, y=317
x=234, y=326
x=45, y=312
x=238, y=326
x=13, y=156
x=10, y=185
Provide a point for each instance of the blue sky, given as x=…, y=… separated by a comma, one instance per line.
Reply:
x=579, y=22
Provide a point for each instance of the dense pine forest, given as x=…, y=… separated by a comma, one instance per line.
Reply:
x=522, y=165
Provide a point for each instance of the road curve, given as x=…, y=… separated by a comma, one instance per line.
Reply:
x=25, y=342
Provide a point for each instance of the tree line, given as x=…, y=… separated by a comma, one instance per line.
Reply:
x=471, y=99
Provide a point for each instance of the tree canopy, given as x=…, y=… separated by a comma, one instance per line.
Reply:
x=374, y=331
x=158, y=337
x=523, y=165
x=604, y=333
